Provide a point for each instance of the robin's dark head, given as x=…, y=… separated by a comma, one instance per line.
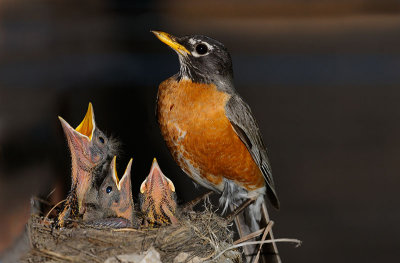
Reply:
x=202, y=59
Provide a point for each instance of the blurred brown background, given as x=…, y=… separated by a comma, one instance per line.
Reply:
x=322, y=78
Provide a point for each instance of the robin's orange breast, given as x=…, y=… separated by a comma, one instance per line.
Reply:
x=200, y=136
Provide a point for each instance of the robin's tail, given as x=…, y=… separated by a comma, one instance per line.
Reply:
x=253, y=218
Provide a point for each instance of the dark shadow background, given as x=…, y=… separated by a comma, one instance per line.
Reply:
x=322, y=78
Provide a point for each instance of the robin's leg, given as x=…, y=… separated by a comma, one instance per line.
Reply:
x=242, y=227
x=272, y=250
x=237, y=210
x=267, y=253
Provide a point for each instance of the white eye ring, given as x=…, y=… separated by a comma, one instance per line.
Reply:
x=197, y=43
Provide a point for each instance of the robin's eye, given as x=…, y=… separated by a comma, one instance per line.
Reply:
x=101, y=139
x=201, y=49
x=108, y=189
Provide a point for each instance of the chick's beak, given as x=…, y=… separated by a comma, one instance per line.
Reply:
x=83, y=133
x=76, y=141
x=125, y=181
x=88, y=124
x=171, y=41
x=113, y=168
x=157, y=179
x=126, y=208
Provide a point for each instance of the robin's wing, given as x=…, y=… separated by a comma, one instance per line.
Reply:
x=245, y=126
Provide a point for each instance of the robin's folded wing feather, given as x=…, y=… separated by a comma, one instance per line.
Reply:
x=245, y=126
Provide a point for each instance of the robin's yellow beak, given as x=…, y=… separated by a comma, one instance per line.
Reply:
x=171, y=41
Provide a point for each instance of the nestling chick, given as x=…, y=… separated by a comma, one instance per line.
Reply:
x=112, y=204
x=158, y=198
x=91, y=152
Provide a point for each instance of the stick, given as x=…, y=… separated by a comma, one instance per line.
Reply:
x=47, y=215
x=249, y=236
x=267, y=229
x=264, y=210
x=52, y=254
x=42, y=200
x=287, y=240
x=52, y=191
x=194, y=202
x=235, y=212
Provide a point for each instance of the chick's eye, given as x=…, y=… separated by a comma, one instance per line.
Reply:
x=201, y=49
x=101, y=139
x=108, y=189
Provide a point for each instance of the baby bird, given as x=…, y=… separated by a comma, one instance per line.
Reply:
x=157, y=198
x=91, y=152
x=111, y=205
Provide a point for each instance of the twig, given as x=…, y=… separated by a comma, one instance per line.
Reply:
x=55, y=255
x=237, y=211
x=264, y=211
x=288, y=240
x=189, y=205
x=249, y=236
x=42, y=200
x=29, y=229
x=92, y=256
x=267, y=229
x=98, y=241
x=51, y=192
x=47, y=215
x=126, y=230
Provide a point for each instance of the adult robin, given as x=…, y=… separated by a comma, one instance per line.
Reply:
x=111, y=204
x=210, y=130
x=157, y=198
x=91, y=153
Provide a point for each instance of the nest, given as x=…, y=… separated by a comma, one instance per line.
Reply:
x=200, y=235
